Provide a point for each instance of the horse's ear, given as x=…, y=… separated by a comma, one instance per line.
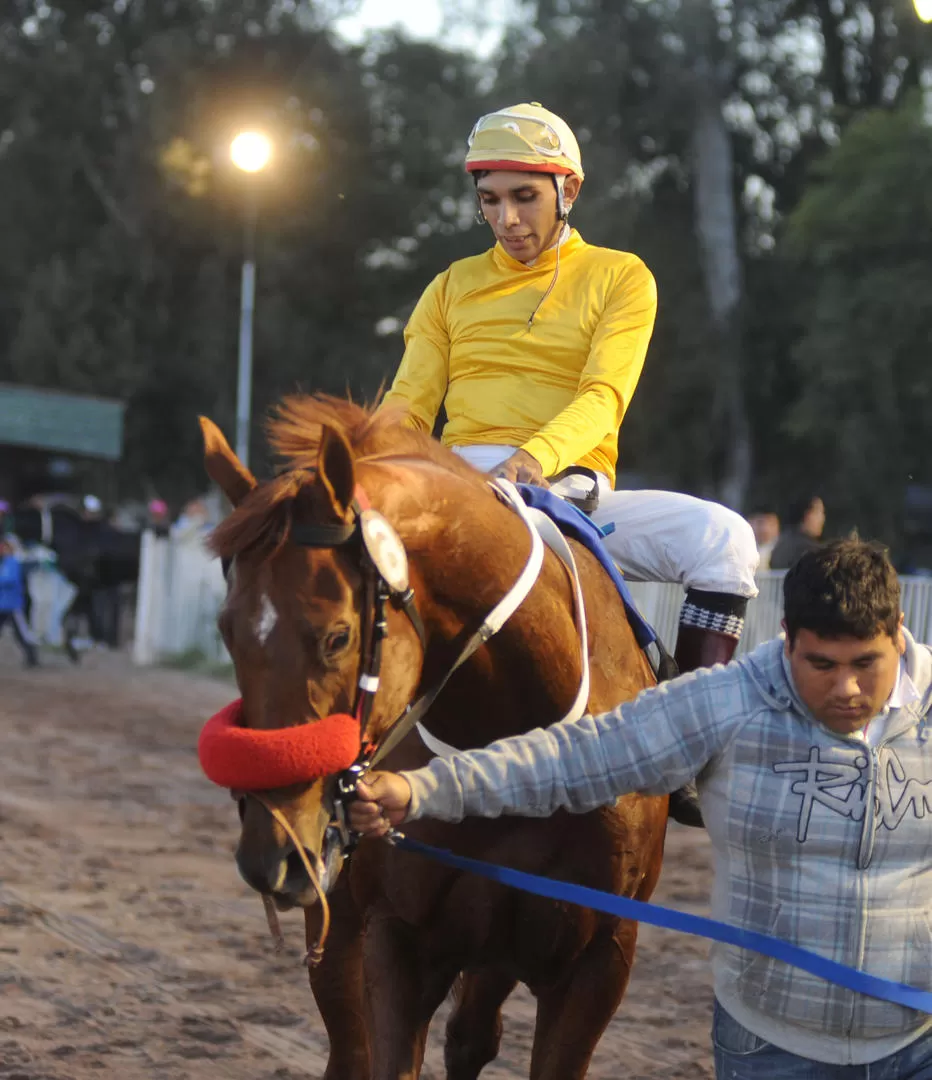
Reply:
x=335, y=470
x=223, y=466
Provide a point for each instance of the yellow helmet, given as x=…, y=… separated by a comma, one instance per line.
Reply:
x=524, y=138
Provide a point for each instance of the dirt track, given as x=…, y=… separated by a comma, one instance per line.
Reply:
x=130, y=948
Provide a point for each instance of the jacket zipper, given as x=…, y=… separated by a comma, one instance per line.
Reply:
x=863, y=858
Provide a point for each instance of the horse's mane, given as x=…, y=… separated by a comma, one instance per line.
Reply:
x=294, y=431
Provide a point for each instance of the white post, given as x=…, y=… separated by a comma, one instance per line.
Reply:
x=142, y=648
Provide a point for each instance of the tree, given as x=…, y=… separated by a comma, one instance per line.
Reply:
x=861, y=239
x=122, y=218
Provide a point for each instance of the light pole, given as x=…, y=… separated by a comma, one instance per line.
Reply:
x=924, y=11
x=250, y=151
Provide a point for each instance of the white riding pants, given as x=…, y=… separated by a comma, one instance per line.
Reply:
x=664, y=535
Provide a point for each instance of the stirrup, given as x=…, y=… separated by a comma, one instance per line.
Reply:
x=570, y=484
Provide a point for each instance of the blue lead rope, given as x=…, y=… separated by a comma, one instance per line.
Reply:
x=698, y=925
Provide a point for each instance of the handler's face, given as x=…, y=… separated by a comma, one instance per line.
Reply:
x=845, y=681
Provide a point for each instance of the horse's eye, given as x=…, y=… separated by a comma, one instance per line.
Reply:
x=336, y=641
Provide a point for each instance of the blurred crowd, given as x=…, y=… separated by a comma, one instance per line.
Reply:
x=69, y=565
x=780, y=544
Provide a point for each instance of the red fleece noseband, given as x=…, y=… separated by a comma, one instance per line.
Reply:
x=251, y=760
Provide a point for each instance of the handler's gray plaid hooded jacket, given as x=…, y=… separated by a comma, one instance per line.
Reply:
x=818, y=838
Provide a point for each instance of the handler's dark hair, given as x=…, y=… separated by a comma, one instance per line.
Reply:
x=847, y=588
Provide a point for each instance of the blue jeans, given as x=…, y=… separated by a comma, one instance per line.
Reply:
x=740, y=1055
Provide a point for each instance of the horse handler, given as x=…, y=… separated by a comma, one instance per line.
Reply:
x=814, y=768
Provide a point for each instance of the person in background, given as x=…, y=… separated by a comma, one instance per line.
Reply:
x=26, y=559
x=193, y=521
x=6, y=525
x=13, y=602
x=92, y=509
x=82, y=570
x=806, y=519
x=766, y=526
x=157, y=517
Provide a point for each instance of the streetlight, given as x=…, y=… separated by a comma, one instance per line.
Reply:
x=923, y=9
x=250, y=151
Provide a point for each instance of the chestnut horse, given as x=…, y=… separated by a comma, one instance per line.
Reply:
x=406, y=931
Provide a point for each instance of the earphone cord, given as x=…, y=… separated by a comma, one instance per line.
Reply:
x=553, y=280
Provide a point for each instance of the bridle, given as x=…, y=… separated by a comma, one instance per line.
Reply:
x=384, y=569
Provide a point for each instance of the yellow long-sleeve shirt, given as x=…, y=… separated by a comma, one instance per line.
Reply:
x=559, y=390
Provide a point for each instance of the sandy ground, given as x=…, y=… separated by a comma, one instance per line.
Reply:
x=130, y=948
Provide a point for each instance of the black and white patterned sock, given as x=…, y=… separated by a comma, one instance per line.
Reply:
x=718, y=611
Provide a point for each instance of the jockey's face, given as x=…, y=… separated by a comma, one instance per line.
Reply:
x=845, y=681
x=521, y=208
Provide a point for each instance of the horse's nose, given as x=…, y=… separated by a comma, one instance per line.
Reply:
x=264, y=870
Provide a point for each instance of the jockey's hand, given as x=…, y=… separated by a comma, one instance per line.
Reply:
x=522, y=468
x=383, y=802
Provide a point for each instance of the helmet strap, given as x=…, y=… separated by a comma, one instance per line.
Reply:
x=562, y=212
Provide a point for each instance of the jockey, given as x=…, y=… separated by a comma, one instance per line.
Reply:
x=535, y=348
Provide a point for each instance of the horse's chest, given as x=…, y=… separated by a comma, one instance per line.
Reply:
x=471, y=919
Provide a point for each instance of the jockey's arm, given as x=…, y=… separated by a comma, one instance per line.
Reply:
x=421, y=381
x=616, y=357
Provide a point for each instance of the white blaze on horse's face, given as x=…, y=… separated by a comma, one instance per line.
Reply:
x=265, y=620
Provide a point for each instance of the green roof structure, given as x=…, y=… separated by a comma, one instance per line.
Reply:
x=66, y=423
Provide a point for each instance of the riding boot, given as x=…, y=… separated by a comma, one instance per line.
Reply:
x=697, y=647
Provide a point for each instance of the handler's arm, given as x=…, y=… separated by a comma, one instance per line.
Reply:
x=616, y=357
x=421, y=381
x=653, y=745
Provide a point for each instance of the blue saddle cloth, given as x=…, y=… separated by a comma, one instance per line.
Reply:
x=573, y=523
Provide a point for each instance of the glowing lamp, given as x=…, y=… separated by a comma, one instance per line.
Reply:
x=251, y=150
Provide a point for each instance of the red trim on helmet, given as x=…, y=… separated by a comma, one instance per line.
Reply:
x=518, y=166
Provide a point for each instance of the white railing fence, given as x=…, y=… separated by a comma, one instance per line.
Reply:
x=181, y=589
x=660, y=605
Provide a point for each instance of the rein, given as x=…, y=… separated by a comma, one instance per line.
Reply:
x=315, y=951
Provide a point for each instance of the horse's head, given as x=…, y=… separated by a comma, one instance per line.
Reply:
x=305, y=593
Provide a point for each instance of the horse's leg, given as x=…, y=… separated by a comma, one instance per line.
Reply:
x=572, y=1015
x=338, y=986
x=474, y=1030
x=402, y=994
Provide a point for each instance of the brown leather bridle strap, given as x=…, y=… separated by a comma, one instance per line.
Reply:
x=315, y=951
